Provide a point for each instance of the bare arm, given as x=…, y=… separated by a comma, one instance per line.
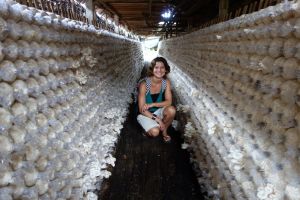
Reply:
x=143, y=108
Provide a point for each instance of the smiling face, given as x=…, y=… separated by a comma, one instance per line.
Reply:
x=159, y=70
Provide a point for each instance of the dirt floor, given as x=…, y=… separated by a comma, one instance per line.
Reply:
x=149, y=169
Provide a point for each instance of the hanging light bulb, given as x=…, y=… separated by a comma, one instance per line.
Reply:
x=166, y=14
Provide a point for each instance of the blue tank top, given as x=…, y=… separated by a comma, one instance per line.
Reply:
x=149, y=97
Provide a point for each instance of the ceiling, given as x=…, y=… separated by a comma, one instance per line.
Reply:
x=143, y=16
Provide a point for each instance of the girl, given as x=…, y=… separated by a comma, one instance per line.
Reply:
x=155, y=99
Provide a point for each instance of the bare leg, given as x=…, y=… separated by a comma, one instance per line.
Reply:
x=169, y=114
x=153, y=132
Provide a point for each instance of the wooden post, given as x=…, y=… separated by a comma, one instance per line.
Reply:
x=238, y=12
x=224, y=18
x=261, y=3
x=250, y=8
x=50, y=6
x=69, y=9
x=43, y=6
x=72, y=16
x=65, y=10
x=29, y=3
x=230, y=15
x=73, y=12
x=223, y=7
x=106, y=26
x=254, y=6
x=38, y=5
x=34, y=4
x=266, y=3
x=245, y=9
x=60, y=8
x=89, y=11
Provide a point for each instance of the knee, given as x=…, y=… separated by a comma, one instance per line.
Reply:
x=170, y=111
x=154, y=132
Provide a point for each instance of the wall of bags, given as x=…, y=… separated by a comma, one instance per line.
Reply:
x=64, y=93
x=241, y=81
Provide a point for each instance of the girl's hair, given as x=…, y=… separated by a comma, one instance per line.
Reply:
x=153, y=63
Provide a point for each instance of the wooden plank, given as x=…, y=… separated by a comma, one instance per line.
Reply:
x=43, y=5
x=68, y=12
x=261, y=3
x=230, y=15
x=50, y=6
x=239, y=12
x=30, y=3
x=222, y=18
x=250, y=8
x=254, y=6
x=76, y=16
x=38, y=4
x=69, y=9
x=72, y=14
x=226, y=17
x=64, y=11
x=33, y=3
x=57, y=9
x=267, y=3
x=245, y=9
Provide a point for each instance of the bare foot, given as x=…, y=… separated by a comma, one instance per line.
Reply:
x=166, y=137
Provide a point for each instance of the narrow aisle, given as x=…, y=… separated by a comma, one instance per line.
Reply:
x=147, y=168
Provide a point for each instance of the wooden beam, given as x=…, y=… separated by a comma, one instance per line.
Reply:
x=130, y=4
x=139, y=17
x=113, y=12
x=107, y=8
x=130, y=1
x=155, y=27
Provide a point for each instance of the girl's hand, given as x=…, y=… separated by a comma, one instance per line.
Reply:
x=147, y=106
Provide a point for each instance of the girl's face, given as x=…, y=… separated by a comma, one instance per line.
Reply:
x=159, y=70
